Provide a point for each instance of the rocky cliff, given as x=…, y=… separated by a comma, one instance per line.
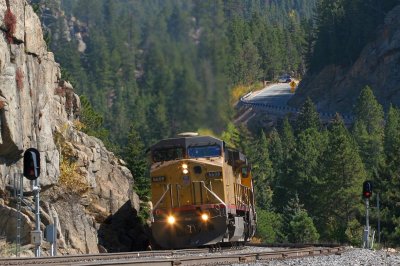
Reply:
x=336, y=88
x=82, y=183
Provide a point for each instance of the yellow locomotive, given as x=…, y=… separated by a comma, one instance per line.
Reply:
x=202, y=193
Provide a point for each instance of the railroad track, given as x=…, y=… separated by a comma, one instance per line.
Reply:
x=176, y=257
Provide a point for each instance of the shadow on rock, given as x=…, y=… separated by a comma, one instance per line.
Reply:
x=123, y=231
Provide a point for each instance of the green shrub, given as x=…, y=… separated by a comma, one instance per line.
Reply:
x=354, y=232
x=269, y=226
x=302, y=229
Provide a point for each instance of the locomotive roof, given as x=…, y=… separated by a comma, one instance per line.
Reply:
x=185, y=142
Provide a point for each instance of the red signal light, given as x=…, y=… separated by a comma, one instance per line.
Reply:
x=367, y=189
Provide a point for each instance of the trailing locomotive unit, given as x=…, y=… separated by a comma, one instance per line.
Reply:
x=202, y=193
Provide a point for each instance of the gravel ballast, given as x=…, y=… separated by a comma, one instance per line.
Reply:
x=352, y=256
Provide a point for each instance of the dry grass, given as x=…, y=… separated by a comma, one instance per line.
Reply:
x=7, y=249
x=70, y=177
x=78, y=125
x=241, y=90
x=206, y=132
x=256, y=240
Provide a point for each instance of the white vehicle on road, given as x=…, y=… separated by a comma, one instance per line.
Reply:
x=285, y=78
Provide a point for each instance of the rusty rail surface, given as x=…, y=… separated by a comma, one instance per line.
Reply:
x=176, y=257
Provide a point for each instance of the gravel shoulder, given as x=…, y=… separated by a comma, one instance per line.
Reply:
x=350, y=257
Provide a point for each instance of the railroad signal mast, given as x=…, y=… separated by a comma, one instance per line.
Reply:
x=32, y=172
x=367, y=193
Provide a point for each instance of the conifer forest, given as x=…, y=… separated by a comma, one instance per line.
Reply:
x=154, y=68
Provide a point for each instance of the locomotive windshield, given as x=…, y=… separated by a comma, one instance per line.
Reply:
x=167, y=154
x=204, y=151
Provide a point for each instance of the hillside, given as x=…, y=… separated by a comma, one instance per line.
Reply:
x=164, y=67
x=336, y=86
x=82, y=184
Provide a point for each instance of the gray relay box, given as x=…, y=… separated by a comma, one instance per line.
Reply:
x=36, y=237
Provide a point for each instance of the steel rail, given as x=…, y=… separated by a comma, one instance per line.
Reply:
x=172, y=258
x=101, y=256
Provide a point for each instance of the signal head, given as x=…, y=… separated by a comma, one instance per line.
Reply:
x=31, y=164
x=367, y=189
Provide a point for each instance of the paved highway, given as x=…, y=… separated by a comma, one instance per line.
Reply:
x=273, y=99
x=276, y=95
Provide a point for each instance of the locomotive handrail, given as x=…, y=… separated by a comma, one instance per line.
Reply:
x=162, y=197
x=242, y=197
x=215, y=195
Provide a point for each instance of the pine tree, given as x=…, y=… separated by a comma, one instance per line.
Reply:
x=134, y=155
x=302, y=229
x=308, y=117
x=369, y=112
x=271, y=63
x=294, y=41
x=287, y=139
x=262, y=173
x=276, y=154
x=291, y=207
x=281, y=193
x=304, y=178
x=93, y=122
x=231, y=136
x=269, y=226
x=245, y=68
x=369, y=130
x=388, y=185
x=343, y=174
x=297, y=226
x=159, y=117
x=392, y=144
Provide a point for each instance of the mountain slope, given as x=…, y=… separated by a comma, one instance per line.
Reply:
x=336, y=87
x=168, y=66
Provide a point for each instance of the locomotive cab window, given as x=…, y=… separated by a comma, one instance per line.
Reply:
x=245, y=171
x=204, y=151
x=167, y=154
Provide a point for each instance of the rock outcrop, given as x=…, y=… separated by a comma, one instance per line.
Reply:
x=336, y=88
x=82, y=183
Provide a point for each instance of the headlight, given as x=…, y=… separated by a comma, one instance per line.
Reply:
x=171, y=219
x=205, y=217
x=185, y=169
